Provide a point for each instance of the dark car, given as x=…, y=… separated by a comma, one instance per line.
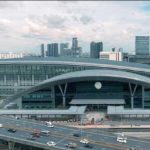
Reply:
x=12, y=130
x=88, y=146
x=76, y=134
x=35, y=134
x=71, y=145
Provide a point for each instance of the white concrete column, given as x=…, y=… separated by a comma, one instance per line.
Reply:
x=11, y=145
x=63, y=92
x=132, y=92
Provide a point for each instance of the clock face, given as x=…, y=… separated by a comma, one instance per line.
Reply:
x=98, y=85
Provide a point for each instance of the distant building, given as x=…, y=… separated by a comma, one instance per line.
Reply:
x=42, y=50
x=142, y=45
x=142, y=59
x=74, y=43
x=52, y=49
x=11, y=55
x=116, y=56
x=95, y=49
x=75, y=50
x=63, y=48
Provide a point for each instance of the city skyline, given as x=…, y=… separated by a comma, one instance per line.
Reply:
x=25, y=25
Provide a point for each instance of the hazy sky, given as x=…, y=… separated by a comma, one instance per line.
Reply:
x=25, y=25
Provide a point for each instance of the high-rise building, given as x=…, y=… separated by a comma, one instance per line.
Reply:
x=74, y=43
x=52, y=49
x=142, y=45
x=75, y=50
x=63, y=48
x=95, y=49
x=42, y=50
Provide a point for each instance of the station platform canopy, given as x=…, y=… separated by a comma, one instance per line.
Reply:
x=97, y=101
x=73, y=110
x=120, y=110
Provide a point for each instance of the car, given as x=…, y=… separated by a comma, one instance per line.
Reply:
x=121, y=139
x=1, y=125
x=45, y=132
x=17, y=118
x=88, y=146
x=11, y=130
x=51, y=143
x=50, y=125
x=76, y=134
x=35, y=134
x=84, y=141
x=71, y=145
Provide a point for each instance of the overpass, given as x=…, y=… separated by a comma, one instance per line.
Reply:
x=60, y=134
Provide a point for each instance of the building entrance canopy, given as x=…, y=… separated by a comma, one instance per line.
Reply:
x=98, y=101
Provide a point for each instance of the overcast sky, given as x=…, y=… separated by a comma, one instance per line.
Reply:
x=25, y=25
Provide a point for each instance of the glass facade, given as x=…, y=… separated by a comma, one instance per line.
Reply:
x=142, y=45
x=38, y=100
x=15, y=77
x=109, y=90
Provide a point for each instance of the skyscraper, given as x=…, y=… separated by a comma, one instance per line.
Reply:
x=52, y=49
x=95, y=49
x=42, y=50
x=74, y=43
x=63, y=48
x=75, y=50
x=142, y=45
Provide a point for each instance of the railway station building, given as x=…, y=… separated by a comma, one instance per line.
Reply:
x=49, y=83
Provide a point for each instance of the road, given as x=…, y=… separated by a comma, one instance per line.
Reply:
x=101, y=140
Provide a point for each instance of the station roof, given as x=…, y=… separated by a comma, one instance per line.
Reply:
x=73, y=110
x=79, y=62
x=97, y=101
x=120, y=110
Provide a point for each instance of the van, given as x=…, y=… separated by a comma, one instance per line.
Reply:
x=45, y=133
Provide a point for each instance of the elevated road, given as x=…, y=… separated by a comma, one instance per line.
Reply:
x=63, y=135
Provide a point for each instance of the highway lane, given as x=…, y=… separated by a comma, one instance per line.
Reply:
x=44, y=139
x=67, y=131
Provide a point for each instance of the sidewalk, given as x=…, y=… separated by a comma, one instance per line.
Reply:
x=111, y=127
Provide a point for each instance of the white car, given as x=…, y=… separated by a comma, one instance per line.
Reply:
x=51, y=143
x=45, y=132
x=50, y=125
x=121, y=139
x=84, y=141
